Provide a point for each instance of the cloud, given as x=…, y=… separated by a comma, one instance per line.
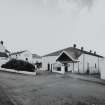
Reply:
x=45, y=25
x=90, y=27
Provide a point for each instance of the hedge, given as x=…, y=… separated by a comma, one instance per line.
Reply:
x=19, y=65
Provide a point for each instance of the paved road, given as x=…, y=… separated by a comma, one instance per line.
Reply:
x=4, y=99
x=51, y=89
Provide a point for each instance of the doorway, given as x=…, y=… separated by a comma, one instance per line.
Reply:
x=66, y=67
x=48, y=67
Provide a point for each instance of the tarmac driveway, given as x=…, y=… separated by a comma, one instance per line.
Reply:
x=51, y=89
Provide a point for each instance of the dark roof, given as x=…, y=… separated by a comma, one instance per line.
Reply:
x=7, y=51
x=15, y=53
x=2, y=54
x=69, y=56
x=74, y=51
x=36, y=56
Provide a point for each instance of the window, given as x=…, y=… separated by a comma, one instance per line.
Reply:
x=58, y=68
x=95, y=65
x=16, y=56
x=26, y=59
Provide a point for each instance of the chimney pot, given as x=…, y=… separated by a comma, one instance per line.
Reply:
x=82, y=48
x=1, y=42
x=74, y=45
x=90, y=51
x=95, y=53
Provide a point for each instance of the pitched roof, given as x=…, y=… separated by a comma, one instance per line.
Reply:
x=36, y=56
x=15, y=53
x=2, y=54
x=74, y=51
x=69, y=56
x=7, y=51
x=75, y=54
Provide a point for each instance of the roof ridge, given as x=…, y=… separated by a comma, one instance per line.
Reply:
x=18, y=52
x=82, y=51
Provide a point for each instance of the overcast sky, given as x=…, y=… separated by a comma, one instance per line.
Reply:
x=43, y=26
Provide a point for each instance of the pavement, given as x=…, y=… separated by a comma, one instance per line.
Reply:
x=90, y=78
x=84, y=77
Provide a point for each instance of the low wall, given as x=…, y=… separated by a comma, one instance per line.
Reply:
x=19, y=72
x=61, y=72
x=58, y=72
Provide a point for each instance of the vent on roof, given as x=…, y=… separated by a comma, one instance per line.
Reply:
x=74, y=45
x=82, y=48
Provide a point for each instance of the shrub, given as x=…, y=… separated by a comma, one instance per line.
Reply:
x=19, y=65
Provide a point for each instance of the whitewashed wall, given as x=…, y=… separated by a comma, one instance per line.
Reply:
x=3, y=60
x=81, y=67
x=77, y=67
x=86, y=59
x=102, y=66
x=70, y=66
x=23, y=56
x=93, y=61
x=2, y=48
x=34, y=60
x=48, y=59
x=13, y=56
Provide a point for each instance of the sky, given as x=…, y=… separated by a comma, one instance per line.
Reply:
x=44, y=26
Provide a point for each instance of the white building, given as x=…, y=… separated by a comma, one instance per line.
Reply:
x=3, y=58
x=103, y=69
x=72, y=59
x=36, y=58
x=22, y=55
x=26, y=56
x=3, y=53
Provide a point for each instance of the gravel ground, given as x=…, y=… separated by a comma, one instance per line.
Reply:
x=51, y=89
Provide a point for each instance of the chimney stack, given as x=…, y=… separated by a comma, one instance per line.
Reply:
x=82, y=48
x=94, y=52
x=1, y=42
x=90, y=51
x=74, y=45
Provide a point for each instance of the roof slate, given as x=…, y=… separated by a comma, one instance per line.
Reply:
x=7, y=51
x=73, y=51
x=2, y=54
x=17, y=52
x=36, y=56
